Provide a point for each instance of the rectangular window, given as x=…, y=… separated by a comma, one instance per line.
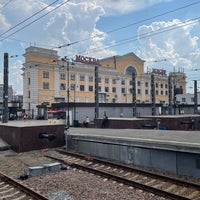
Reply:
x=146, y=92
x=82, y=88
x=156, y=92
x=113, y=81
x=156, y=85
x=166, y=86
x=29, y=94
x=183, y=99
x=146, y=84
x=139, y=91
x=123, y=90
x=106, y=80
x=113, y=89
x=123, y=82
x=45, y=74
x=45, y=85
x=106, y=89
x=138, y=83
x=90, y=78
x=29, y=81
x=72, y=87
x=90, y=88
x=99, y=80
x=62, y=76
x=73, y=77
x=62, y=86
x=161, y=85
x=166, y=92
x=99, y=88
x=161, y=92
x=82, y=77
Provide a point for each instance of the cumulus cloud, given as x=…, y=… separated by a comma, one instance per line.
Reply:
x=176, y=45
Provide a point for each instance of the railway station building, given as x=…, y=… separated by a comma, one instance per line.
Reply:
x=49, y=79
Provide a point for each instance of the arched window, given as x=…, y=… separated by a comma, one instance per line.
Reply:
x=130, y=70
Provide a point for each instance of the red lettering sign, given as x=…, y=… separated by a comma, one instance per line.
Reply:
x=159, y=71
x=87, y=60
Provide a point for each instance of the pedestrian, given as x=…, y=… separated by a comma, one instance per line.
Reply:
x=105, y=121
x=86, y=122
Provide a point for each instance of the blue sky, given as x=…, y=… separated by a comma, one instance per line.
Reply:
x=165, y=41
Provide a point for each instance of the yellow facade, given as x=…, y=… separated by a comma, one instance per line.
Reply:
x=46, y=80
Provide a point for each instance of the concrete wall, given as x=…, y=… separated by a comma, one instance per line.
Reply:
x=180, y=163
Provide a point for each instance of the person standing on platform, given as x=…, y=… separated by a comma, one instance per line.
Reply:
x=86, y=122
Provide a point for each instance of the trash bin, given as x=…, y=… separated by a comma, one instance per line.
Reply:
x=76, y=123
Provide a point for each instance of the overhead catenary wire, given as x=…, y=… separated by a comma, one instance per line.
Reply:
x=34, y=20
x=4, y=5
x=25, y=20
x=132, y=24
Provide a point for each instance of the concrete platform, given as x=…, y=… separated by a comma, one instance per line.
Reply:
x=173, y=151
x=32, y=135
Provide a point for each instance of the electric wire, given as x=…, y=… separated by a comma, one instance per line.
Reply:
x=8, y=2
x=28, y=18
x=132, y=24
x=34, y=20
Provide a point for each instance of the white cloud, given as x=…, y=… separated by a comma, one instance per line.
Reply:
x=175, y=45
x=113, y=7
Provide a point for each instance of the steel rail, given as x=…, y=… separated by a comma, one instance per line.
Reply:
x=22, y=187
x=125, y=180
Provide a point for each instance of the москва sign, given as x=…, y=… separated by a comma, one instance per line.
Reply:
x=87, y=60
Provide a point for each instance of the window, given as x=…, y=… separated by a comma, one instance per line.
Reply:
x=166, y=92
x=192, y=99
x=138, y=83
x=146, y=92
x=62, y=76
x=72, y=77
x=106, y=89
x=29, y=81
x=113, y=81
x=62, y=86
x=72, y=87
x=183, y=99
x=166, y=86
x=123, y=90
x=123, y=82
x=90, y=88
x=114, y=89
x=161, y=92
x=156, y=92
x=99, y=88
x=146, y=84
x=106, y=80
x=45, y=74
x=139, y=91
x=99, y=80
x=82, y=88
x=82, y=77
x=45, y=85
x=156, y=85
x=29, y=94
x=161, y=85
x=90, y=78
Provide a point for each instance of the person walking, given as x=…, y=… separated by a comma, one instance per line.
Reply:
x=86, y=122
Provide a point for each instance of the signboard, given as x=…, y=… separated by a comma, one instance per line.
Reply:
x=159, y=71
x=87, y=60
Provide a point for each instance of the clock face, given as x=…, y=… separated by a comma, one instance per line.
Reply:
x=130, y=70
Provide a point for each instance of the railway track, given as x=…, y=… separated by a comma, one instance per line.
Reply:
x=154, y=183
x=11, y=189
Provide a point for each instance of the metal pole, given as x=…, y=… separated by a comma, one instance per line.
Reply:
x=96, y=112
x=195, y=98
x=134, y=99
x=68, y=122
x=5, y=90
